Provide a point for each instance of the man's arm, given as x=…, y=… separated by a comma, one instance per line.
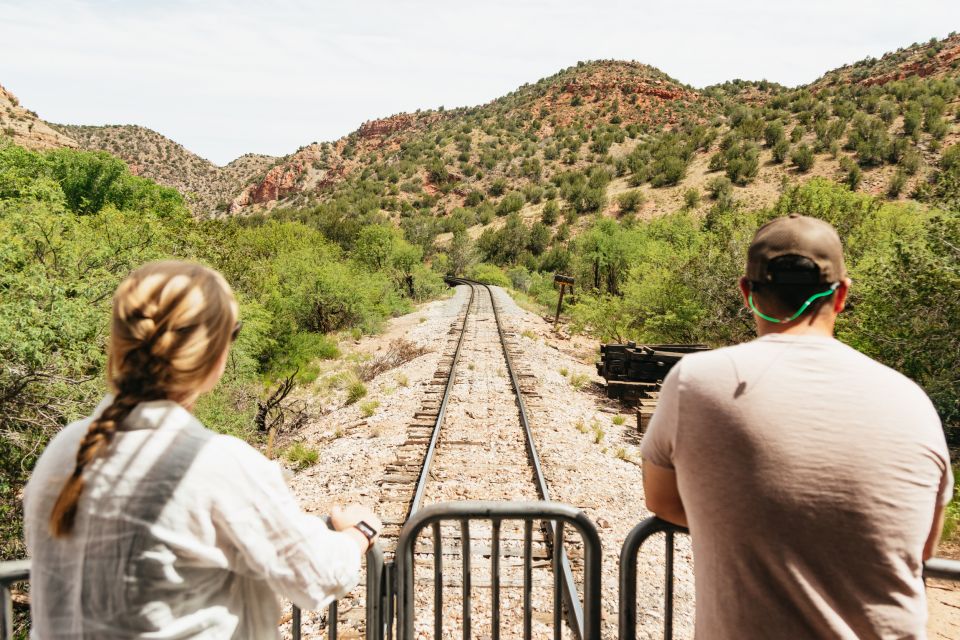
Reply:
x=933, y=538
x=661, y=493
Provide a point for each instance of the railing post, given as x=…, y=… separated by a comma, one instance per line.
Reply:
x=463, y=512
x=628, y=576
x=10, y=572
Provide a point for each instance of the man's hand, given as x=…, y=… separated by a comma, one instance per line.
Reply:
x=343, y=519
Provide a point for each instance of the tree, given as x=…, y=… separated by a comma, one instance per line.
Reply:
x=539, y=238
x=374, y=245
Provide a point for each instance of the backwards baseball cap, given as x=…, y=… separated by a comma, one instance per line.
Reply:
x=796, y=235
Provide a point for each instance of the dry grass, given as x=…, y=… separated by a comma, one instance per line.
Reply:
x=399, y=352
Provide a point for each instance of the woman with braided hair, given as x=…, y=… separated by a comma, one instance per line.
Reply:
x=141, y=523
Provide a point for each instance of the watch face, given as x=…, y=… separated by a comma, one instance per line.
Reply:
x=366, y=530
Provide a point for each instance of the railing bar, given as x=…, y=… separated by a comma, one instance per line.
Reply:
x=437, y=582
x=558, y=582
x=6, y=612
x=668, y=589
x=374, y=589
x=527, y=576
x=465, y=552
x=332, y=621
x=495, y=579
x=296, y=623
x=389, y=577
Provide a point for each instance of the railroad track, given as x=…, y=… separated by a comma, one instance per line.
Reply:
x=471, y=440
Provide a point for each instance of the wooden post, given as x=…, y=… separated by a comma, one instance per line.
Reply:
x=563, y=281
x=563, y=288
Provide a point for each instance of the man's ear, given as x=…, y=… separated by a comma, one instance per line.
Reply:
x=840, y=297
x=745, y=290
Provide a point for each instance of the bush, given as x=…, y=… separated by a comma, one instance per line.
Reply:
x=630, y=201
x=510, y=203
x=489, y=274
x=355, y=390
x=852, y=173
x=368, y=408
x=691, y=198
x=897, y=182
x=719, y=187
x=802, y=158
x=781, y=151
x=301, y=456
x=869, y=139
x=743, y=162
x=550, y=213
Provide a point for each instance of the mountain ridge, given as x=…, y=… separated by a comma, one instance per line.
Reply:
x=530, y=134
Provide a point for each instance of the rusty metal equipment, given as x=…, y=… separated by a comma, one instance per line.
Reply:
x=635, y=372
x=640, y=363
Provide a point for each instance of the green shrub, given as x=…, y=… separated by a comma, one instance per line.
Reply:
x=781, y=151
x=897, y=182
x=550, y=213
x=355, y=390
x=630, y=201
x=301, y=456
x=489, y=274
x=510, y=203
x=691, y=198
x=852, y=173
x=802, y=158
x=368, y=408
x=719, y=187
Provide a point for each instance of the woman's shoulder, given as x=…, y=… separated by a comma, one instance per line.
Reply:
x=227, y=456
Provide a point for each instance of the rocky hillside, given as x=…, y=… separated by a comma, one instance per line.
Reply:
x=606, y=136
x=25, y=128
x=446, y=155
x=933, y=59
x=207, y=187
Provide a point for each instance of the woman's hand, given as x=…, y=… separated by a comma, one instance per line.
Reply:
x=344, y=519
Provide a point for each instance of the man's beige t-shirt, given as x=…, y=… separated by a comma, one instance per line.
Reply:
x=809, y=474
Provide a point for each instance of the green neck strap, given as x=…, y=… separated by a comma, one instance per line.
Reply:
x=802, y=308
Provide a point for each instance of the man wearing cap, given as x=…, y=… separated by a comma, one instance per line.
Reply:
x=812, y=478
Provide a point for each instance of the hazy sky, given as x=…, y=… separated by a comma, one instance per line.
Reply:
x=226, y=77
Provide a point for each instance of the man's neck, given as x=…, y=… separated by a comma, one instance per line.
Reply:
x=819, y=325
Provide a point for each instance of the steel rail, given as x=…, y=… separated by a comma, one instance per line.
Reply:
x=441, y=413
x=574, y=608
x=569, y=586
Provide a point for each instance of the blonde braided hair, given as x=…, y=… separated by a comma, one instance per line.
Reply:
x=172, y=322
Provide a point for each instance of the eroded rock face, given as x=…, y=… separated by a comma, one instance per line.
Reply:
x=919, y=61
x=26, y=128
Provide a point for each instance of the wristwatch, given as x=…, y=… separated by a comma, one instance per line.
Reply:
x=368, y=532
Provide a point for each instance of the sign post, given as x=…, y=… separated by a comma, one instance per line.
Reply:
x=564, y=282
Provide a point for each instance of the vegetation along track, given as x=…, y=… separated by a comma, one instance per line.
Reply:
x=471, y=440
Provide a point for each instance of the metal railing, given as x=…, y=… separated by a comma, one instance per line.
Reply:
x=628, y=576
x=940, y=568
x=10, y=574
x=569, y=596
x=19, y=571
x=497, y=512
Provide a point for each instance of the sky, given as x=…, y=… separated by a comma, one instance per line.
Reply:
x=228, y=77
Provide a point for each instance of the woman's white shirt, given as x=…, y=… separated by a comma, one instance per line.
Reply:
x=180, y=533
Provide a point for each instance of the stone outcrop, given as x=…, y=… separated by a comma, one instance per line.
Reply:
x=26, y=128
